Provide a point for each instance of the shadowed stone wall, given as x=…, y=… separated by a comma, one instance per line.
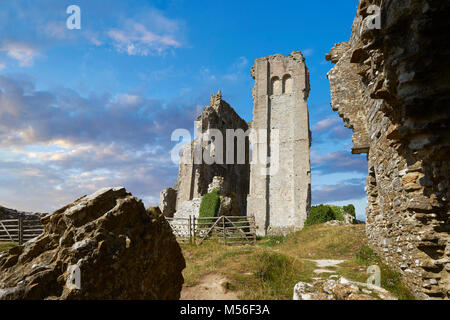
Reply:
x=195, y=175
x=391, y=85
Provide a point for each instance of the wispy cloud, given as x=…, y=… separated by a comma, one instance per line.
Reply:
x=237, y=70
x=57, y=30
x=22, y=52
x=325, y=124
x=346, y=190
x=331, y=128
x=154, y=36
x=340, y=161
x=73, y=144
x=308, y=52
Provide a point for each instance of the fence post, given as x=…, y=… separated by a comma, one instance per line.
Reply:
x=193, y=229
x=224, y=233
x=20, y=223
x=190, y=229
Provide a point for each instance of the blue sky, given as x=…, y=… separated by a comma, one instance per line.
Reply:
x=84, y=109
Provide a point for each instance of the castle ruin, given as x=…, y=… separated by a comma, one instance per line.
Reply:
x=280, y=187
x=194, y=175
x=279, y=174
x=391, y=87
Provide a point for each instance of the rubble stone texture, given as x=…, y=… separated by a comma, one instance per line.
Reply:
x=281, y=200
x=392, y=87
x=168, y=198
x=121, y=252
x=195, y=175
x=339, y=289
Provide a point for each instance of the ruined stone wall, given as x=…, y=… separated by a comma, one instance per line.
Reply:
x=391, y=85
x=280, y=199
x=194, y=174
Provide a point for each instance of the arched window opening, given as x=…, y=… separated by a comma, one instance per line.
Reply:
x=276, y=86
x=288, y=84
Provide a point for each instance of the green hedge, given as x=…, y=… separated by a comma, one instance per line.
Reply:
x=319, y=214
x=210, y=204
x=350, y=209
x=323, y=213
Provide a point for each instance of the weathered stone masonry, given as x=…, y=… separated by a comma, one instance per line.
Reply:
x=392, y=87
x=194, y=175
x=280, y=201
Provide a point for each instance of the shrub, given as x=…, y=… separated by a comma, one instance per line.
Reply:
x=337, y=212
x=350, y=209
x=319, y=214
x=210, y=204
x=271, y=266
x=323, y=213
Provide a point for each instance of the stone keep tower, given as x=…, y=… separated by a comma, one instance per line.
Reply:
x=280, y=201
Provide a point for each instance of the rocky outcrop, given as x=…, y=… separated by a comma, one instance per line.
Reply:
x=340, y=289
x=391, y=85
x=194, y=175
x=102, y=246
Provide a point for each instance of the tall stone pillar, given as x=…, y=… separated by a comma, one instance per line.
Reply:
x=280, y=187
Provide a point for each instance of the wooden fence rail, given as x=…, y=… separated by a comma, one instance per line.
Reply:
x=20, y=230
x=227, y=229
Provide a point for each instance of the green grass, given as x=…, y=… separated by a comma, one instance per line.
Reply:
x=390, y=279
x=271, y=241
x=4, y=246
x=275, y=275
x=255, y=272
x=271, y=268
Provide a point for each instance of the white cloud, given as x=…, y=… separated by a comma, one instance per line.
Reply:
x=58, y=140
x=2, y=66
x=242, y=63
x=21, y=52
x=57, y=30
x=137, y=40
x=325, y=124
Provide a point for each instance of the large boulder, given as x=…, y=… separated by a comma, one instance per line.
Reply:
x=102, y=246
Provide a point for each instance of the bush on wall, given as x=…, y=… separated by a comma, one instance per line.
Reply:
x=210, y=204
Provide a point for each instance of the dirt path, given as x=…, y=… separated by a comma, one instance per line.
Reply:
x=211, y=287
